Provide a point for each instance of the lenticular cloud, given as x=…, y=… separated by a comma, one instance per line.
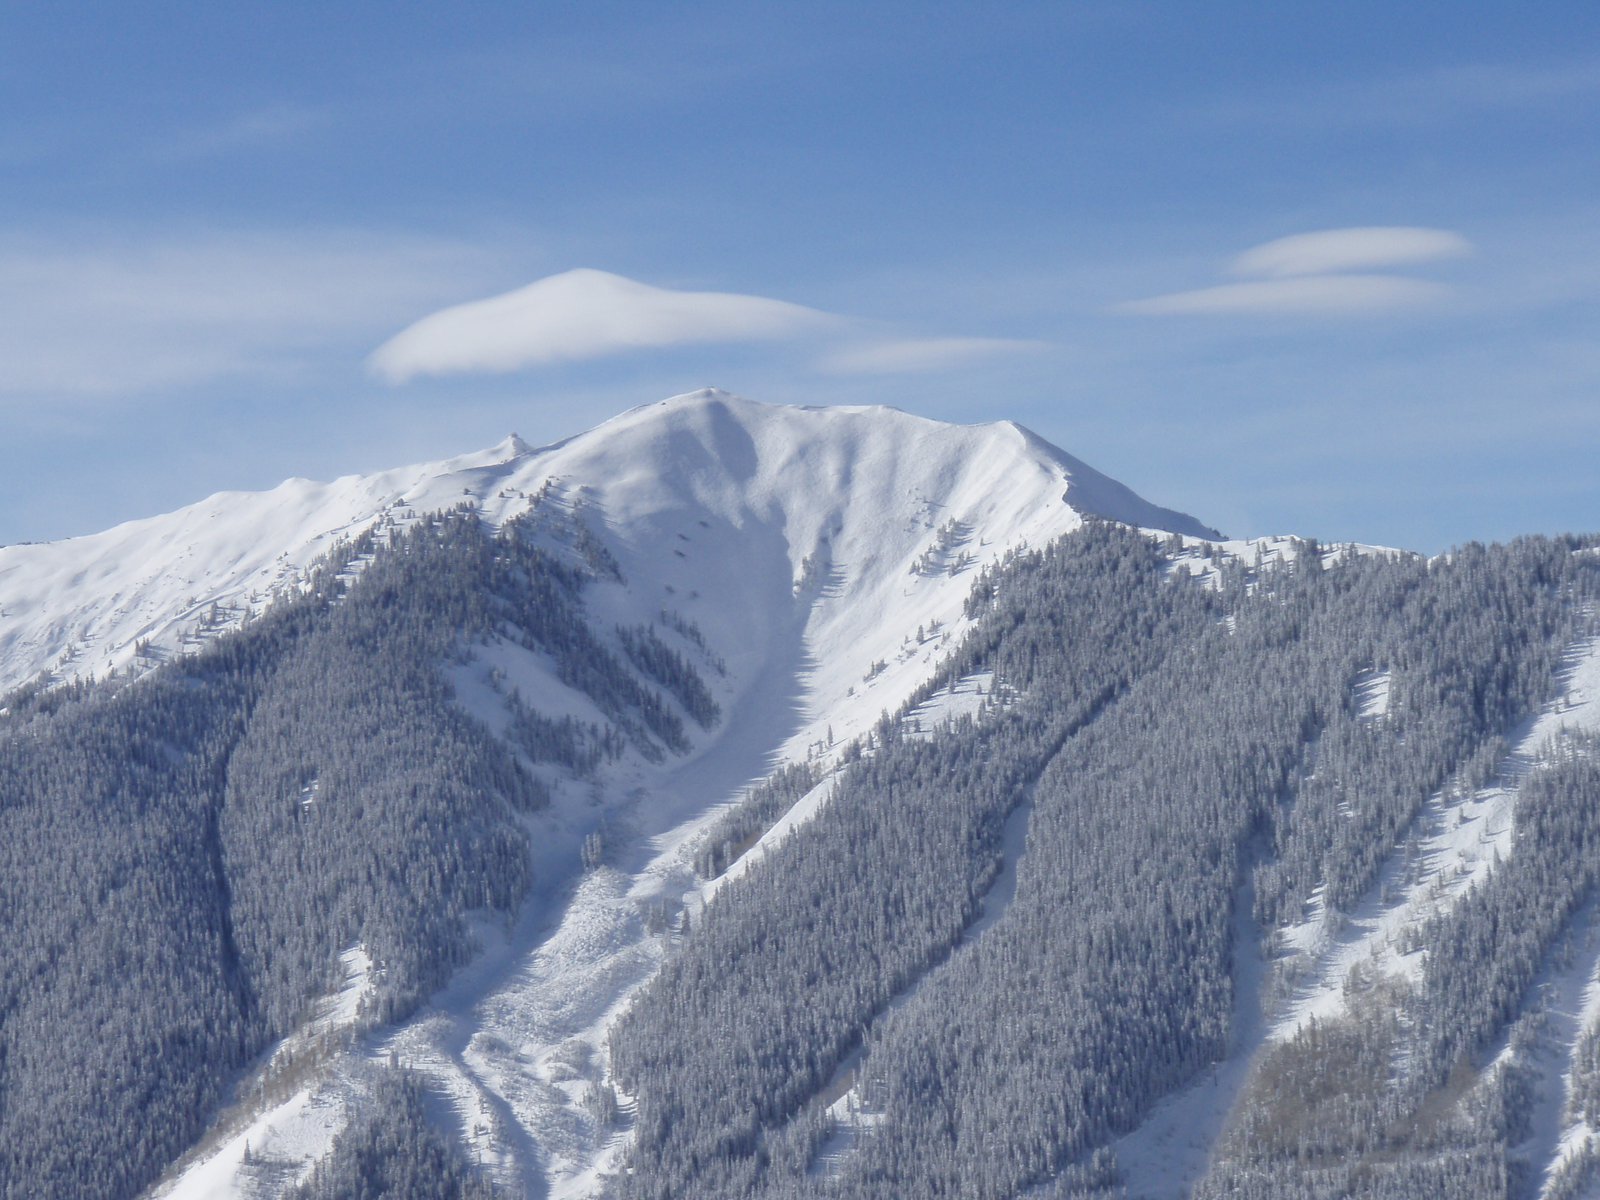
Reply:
x=1316, y=274
x=1358, y=249
x=1313, y=295
x=581, y=314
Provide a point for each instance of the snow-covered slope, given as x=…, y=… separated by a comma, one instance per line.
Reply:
x=822, y=555
x=829, y=484
x=813, y=564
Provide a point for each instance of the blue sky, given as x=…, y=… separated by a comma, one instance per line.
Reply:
x=213, y=217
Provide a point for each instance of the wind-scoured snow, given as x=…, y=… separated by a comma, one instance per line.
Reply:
x=824, y=555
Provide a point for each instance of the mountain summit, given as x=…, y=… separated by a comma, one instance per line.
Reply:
x=794, y=478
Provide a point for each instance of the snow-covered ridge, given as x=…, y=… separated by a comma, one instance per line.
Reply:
x=820, y=477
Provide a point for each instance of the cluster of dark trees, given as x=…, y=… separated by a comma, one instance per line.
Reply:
x=393, y=1150
x=184, y=857
x=1198, y=763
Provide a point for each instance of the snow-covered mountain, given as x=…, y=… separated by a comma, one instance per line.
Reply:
x=759, y=822
x=866, y=491
x=822, y=556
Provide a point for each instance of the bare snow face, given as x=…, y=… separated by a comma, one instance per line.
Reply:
x=813, y=562
x=135, y=595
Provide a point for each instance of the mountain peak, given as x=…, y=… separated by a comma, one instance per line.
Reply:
x=721, y=425
x=512, y=446
x=868, y=486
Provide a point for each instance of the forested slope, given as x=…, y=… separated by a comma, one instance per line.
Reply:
x=184, y=858
x=1187, y=747
x=1198, y=805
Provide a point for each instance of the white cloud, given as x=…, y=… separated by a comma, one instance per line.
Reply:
x=581, y=314
x=1315, y=295
x=1316, y=274
x=1350, y=250
x=903, y=355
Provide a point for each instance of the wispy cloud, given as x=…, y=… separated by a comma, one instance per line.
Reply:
x=120, y=316
x=1355, y=249
x=908, y=355
x=1315, y=274
x=255, y=129
x=1475, y=87
x=1315, y=295
x=577, y=315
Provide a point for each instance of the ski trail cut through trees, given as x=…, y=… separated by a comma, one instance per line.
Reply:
x=1566, y=989
x=1451, y=845
x=1171, y=1150
x=854, y=1118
